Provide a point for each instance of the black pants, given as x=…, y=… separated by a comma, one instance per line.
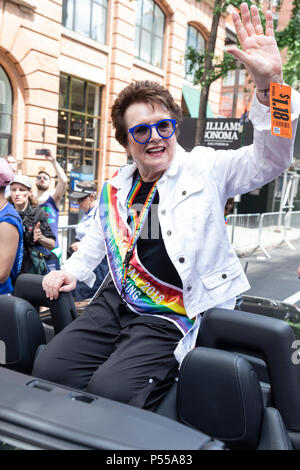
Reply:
x=127, y=357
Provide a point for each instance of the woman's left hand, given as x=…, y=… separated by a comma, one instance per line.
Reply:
x=259, y=53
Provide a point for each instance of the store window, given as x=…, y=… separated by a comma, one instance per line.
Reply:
x=78, y=124
x=6, y=99
x=195, y=40
x=230, y=78
x=149, y=32
x=86, y=17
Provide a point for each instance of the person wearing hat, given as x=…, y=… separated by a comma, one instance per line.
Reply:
x=11, y=234
x=85, y=194
x=38, y=236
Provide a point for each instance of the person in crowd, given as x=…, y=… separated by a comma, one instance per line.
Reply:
x=14, y=166
x=12, y=163
x=51, y=202
x=86, y=195
x=11, y=234
x=39, y=239
x=129, y=342
x=228, y=208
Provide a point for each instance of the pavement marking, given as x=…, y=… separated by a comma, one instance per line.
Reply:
x=293, y=298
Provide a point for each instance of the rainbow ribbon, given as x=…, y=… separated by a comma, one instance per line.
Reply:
x=138, y=222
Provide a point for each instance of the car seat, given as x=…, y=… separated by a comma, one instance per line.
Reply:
x=219, y=394
x=21, y=332
x=21, y=329
x=260, y=338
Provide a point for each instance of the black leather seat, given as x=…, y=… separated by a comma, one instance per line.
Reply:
x=219, y=394
x=270, y=339
x=21, y=330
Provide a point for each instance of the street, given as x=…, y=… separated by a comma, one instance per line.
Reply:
x=275, y=278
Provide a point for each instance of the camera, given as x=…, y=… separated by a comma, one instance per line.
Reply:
x=42, y=152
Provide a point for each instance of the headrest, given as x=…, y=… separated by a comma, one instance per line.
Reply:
x=21, y=333
x=219, y=394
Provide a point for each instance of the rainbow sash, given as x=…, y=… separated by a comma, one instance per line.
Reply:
x=144, y=293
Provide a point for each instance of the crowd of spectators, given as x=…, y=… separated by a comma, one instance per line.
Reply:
x=29, y=241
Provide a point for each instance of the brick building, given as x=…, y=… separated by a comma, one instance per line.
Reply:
x=62, y=63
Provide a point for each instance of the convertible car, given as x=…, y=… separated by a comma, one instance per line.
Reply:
x=239, y=388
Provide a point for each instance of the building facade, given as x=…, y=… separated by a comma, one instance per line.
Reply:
x=63, y=62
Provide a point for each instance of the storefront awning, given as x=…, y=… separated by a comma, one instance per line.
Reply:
x=192, y=100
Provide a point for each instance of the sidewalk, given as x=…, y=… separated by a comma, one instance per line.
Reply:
x=246, y=240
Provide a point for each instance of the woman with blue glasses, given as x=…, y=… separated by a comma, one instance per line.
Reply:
x=161, y=225
x=142, y=133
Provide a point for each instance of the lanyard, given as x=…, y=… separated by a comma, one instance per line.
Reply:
x=138, y=222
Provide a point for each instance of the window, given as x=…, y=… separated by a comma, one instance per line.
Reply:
x=149, y=32
x=86, y=17
x=229, y=79
x=196, y=41
x=78, y=123
x=5, y=113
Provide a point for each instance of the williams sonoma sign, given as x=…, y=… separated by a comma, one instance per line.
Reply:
x=222, y=133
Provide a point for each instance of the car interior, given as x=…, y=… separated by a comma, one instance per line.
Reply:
x=237, y=389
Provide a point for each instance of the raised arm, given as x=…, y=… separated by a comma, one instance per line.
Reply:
x=247, y=168
x=62, y=180
x=259, y=53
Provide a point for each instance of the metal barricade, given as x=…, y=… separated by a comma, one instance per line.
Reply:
x=271, y=230
x=243, y=231
x=246, y=232
x=64, y=235
x=292, y=228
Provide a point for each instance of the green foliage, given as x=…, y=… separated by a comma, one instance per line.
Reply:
x=221, y=66
x=288, y=38
x=291, y=68
x=290, y=35
x=208, y=67
x=222, y=5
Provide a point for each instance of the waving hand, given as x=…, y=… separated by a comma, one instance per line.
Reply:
x=259, y=53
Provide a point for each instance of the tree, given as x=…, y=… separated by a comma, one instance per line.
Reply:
x=208, y=67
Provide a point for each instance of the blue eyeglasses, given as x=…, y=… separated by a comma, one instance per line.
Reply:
x=142, y=132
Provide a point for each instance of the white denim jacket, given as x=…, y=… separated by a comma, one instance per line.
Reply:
x=192, y=195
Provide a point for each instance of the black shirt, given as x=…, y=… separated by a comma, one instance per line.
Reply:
x=151, y=248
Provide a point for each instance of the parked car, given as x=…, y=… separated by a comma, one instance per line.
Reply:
x=271, y=308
